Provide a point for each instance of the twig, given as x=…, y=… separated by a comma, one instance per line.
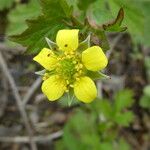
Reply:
x=38, y=139
x=5, y=48
x=23, y=113
x=115, y=41
x=31, y=90
x=4, y=97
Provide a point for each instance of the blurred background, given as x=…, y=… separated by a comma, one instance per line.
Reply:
x=118, y=120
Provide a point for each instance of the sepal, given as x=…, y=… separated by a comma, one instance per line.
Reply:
x=41, y=72
x=97, y=75
x=51, y=44
x=84, y=44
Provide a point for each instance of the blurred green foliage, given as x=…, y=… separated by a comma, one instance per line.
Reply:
x=59, y=14
x=96, y=125
x=145, y=99
x=6, y=4
x=18, y=16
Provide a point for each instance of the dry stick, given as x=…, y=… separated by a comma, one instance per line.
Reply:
x=108, y=54
x=4, y=97
x=5, y=48
x=31, y=90
x=23, y=113
x=39, y=139
x=114, y=42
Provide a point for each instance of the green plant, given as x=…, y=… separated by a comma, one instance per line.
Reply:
x=97, y=126
x=145, y=99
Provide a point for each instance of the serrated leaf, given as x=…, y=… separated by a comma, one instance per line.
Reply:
x=99, y=14
x=46, y=25
x=106, y=108
x=68, y=9
x=123, y=99
x=84, y=4
x=79, y=133
x=18, y=16
x=115, y=26
x=124, y=119
x=133, y=19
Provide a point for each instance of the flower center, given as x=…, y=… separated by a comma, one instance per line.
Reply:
x=69, y=67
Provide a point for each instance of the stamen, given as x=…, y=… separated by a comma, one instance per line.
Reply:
x=80, y=66
x=67, y=91
x=74, y=62
x=71, y=85
x=77, y=79
x=67, y=81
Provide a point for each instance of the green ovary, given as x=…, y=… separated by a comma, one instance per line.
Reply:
x=66, y=69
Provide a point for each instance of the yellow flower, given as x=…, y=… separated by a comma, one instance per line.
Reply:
x=66, y=67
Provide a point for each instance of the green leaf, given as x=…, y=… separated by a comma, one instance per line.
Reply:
x=5, y=4
x=79, y=131
x=145, y=99
x=68, y=9
x=99, y=14
x=123, y=99
x=105, y=108
x=147, y=91
x=145, y=102
x=106, y=146
x=84, y=4
x=18, y=16
x=124, y=119
x=133, y=18
x=115, y=26
x=123, y=145
x=144, y=8
x=46, y=25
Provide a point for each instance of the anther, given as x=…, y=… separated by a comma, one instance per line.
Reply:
x=67, y=91
x=80, y=72
x=67, y=81
x=77, y=79
x=80, y=66
x=74, y=62
x=71, y=85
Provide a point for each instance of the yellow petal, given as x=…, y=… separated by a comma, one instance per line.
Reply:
x=85, y=90
x=94, y=58
x=67, y=40
x=53, y=87
x=46, y=58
